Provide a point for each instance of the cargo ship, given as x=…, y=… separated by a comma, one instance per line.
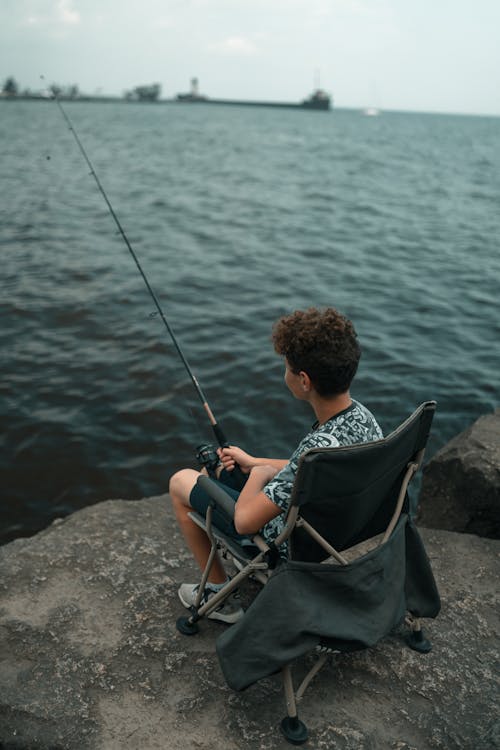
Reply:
x=319, y=100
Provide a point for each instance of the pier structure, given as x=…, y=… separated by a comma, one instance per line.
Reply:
x=319, y=100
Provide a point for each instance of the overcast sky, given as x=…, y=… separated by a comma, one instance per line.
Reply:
x=422, y=55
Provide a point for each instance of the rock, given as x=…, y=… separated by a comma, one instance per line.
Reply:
x=461, y=483
x=90, y=658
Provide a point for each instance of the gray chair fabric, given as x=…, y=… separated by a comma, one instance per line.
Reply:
x=349, y=495
x=348, y=607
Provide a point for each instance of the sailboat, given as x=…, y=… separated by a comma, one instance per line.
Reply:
x=371, y=112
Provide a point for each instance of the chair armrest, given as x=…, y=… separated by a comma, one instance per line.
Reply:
x=224, y=501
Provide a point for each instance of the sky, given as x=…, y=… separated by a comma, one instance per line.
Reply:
x=417, y=55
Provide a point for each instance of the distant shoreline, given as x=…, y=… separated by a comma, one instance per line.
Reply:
x=95, y=99
x=83, y=98
x=175, y=100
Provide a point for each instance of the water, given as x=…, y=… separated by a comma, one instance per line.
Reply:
x=238, y=216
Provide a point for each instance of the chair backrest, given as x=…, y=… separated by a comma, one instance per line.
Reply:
x=349, y=494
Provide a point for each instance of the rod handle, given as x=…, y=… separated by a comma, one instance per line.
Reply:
x=239, y=477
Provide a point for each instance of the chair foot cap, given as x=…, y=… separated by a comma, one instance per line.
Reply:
x=186, y=627
x=418, y=642
x=294, y=730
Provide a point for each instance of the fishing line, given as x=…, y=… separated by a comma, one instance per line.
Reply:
x=219, y=434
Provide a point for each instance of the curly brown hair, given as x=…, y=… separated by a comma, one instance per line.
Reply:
x=322, y=343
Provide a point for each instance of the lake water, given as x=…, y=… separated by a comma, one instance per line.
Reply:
x=237, y=216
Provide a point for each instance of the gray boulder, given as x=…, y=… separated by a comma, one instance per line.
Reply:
x=90, y=658
x=461, y=483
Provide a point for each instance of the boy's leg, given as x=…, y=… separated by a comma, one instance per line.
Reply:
x=198, y=542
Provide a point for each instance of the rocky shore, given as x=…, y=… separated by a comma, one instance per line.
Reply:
x=461, y=485
x=90, y=658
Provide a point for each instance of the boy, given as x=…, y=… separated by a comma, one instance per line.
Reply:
x=321, y=354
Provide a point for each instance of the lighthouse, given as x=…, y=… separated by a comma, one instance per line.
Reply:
x=195, y=91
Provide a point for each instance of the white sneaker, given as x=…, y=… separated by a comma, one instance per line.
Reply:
x=229, y=610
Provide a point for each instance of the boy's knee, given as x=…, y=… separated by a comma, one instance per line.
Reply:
x=181, y=483
x=175, y=483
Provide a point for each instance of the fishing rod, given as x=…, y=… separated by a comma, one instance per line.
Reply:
x=203, y=451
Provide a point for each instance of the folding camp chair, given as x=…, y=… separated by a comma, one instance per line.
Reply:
x=356, y=567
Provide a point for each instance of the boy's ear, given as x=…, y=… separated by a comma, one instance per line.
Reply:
x=305, y=381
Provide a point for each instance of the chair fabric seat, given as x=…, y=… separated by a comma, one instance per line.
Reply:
x=347, y=607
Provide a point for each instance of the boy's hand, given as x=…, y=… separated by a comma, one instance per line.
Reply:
x=232, y=455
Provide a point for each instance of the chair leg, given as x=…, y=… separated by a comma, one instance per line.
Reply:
x=322, y=658
x=187, y=625
x=292, y=728
x=416, y=638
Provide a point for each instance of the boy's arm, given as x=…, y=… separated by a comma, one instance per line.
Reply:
x=232, y=454
x=253, y=508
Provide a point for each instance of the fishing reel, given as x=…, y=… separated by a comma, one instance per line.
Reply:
x=207, y=456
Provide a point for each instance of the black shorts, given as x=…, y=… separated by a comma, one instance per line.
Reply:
x=199, y=501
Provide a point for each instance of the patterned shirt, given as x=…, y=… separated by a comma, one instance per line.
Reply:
x=356, y=424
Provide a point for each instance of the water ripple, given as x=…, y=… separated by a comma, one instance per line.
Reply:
x=237, y=217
